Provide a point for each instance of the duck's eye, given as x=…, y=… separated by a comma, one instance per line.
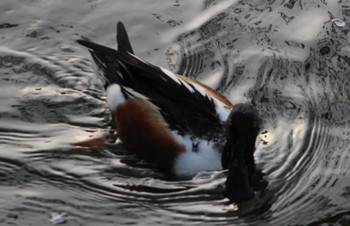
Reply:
x=229, y=122
x=255, y=124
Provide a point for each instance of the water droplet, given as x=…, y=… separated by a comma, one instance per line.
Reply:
x=58, y=218
x=338, y=22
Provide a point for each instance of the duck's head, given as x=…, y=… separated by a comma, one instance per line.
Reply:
x=242, y=128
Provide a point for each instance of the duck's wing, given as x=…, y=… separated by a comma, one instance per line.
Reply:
x=187, y=106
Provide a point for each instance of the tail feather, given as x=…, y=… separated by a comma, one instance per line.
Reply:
x=119, y=67
x=110, y=62
x=108, y=74
x=123, y=39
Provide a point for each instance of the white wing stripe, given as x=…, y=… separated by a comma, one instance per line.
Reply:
x=222, y=110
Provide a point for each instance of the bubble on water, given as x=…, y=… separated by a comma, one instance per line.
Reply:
x=338, y=22
x=58, y=218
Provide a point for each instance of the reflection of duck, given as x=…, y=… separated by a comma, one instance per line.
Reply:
x=175, y=122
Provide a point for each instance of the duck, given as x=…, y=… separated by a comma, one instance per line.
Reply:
x=175, y=122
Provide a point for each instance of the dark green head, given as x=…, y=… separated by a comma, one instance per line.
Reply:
x=242, y=129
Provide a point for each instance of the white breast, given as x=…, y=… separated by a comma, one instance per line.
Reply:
x=204, y=158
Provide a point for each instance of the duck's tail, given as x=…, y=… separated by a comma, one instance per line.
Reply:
x=123, y=39
x=110, y=73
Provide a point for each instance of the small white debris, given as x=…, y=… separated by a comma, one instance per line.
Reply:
x=338, y=22
x=58, y=218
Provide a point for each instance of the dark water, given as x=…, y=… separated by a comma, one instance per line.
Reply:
x=288, y=57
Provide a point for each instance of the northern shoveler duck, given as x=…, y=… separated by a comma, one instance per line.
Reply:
x=175, y=122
